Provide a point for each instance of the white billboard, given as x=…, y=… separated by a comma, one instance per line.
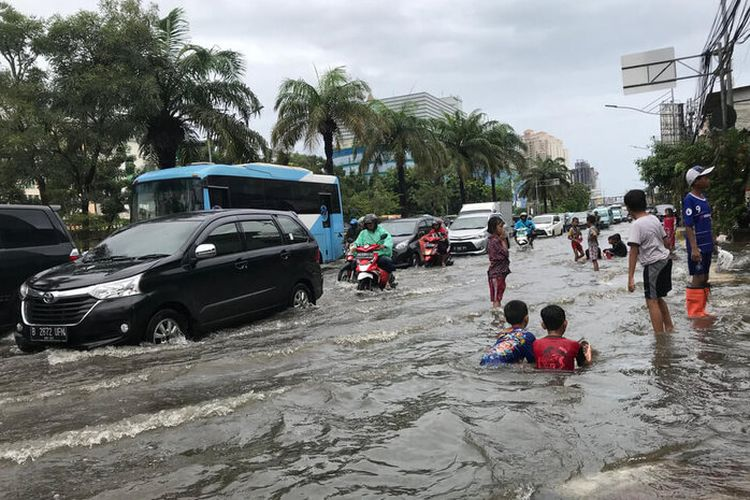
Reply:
x=649, y=71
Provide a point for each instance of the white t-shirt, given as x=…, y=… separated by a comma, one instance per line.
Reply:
x=648, y=233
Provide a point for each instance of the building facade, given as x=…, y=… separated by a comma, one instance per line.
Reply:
x=543, y=145
x=584, y=173
x=422, y=104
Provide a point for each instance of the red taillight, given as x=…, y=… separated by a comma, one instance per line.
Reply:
x=74, y=255
x=318, y=257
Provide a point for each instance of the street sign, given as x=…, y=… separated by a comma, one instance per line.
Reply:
x=649, y=71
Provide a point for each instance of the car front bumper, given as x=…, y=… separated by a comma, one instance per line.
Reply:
x=101, y=325
x=474, y=246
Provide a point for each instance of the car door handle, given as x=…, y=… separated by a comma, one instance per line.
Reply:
x=284, y=255
x=240, y=265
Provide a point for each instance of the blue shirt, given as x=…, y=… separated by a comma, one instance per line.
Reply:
x=528, y=225
x=513, y=344
x=697, y=214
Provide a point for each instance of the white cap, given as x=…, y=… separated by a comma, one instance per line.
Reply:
x=695, y=172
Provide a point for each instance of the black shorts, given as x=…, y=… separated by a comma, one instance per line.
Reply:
x=657, y=279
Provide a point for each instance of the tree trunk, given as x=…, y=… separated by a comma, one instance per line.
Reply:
x=462, y=189
x=328, y=146
x=492, y=182
x=41, y=185
x=400, y=171
x=165, y=134
x=86, y=226
x=544, y=191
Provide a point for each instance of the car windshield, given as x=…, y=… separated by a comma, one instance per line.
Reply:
x=543, y=219
x=399, y=227
x=471, y=222
x=165, y=197
x=151, y=240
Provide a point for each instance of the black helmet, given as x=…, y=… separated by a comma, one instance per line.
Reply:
x=371, y=218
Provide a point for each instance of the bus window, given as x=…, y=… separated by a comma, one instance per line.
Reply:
x=164, y=197
x=219, y=197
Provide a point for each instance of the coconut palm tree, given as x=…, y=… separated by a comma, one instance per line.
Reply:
x=199, y=93
x=308, y=112
x=397, y=135
x=511, y=154
x=545, y=175
x=467, y=144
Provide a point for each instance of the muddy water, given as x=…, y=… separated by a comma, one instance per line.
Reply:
x=380, y=395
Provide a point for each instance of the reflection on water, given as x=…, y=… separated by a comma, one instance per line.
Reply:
x=375, y=395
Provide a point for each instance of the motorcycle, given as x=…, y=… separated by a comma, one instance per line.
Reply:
x=522, y=238
x=428, y=251
x=348, y=271
x=369, y=274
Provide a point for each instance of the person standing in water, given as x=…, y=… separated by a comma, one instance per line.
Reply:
x=497, y=251
x=699, y=240
x=593, y=241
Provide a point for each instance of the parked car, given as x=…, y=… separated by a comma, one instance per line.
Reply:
x=32, y=238
x=183, y=273
x=548, y=225
x=468, y=234
x=604, y=214
x=617, y=215
x=405, y=234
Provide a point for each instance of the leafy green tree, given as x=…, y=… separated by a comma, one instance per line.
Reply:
x=664, y=169
x=198, y=91
x=576, y=198
x=466, y=139
x=362, y=196
x=396, y=135
x=510, y=155
x=307, y=112
x=547, y=177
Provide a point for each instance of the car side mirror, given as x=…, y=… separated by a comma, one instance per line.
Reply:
x=205, y=251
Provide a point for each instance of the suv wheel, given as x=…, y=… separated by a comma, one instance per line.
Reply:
x=27, y=347
x=301, y=296
x=165, y=326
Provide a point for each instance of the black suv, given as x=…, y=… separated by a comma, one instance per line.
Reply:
x=32, y=239
x=406, y=234
x=173, y=275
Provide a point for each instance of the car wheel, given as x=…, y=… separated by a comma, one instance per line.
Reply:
x=165, y=326
x=301, y=296
x=27, y=347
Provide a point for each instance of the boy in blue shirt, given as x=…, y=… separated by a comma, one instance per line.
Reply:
x=699, y=239
x=515, y=343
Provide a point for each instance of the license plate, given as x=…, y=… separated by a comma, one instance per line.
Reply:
x=461, y=248
x=49, y=333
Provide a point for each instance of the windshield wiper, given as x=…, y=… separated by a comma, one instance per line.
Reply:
x=152, y=256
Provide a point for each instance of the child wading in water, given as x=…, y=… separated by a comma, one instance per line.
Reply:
x=670, y=221
x=554, y=352
x=593, y=241
x=648, y=245
x=497, y=250
x=575, y=237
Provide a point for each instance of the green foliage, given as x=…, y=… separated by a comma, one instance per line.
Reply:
x=576, y=198
x=362, y=196
x=538, y=177
x=729, y=151
x=307, y=112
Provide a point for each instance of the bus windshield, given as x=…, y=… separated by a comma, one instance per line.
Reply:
x=164, y=197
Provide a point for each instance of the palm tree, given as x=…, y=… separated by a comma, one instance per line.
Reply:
x=511, y=154
x=396, y=135
x=199, y=91
x=545, y=175
x=467, y=144
x=307, y=112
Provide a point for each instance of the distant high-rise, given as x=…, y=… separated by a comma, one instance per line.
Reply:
x=584, y=173
x=421, y=104
x=543, y=145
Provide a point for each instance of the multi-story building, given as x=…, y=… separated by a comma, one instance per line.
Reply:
x=543, y=145
x=584, y=173
x=422, y=104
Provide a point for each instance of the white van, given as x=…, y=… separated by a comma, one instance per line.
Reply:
x=502, y=208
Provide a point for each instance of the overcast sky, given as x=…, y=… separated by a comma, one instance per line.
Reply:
x=534, y=64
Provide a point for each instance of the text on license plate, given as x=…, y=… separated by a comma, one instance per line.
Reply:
x=49, y=333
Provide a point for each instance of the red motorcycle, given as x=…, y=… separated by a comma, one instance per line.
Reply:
x=369, y=274
x=428, y=251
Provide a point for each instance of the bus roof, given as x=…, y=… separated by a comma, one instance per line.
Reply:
x=253, y=170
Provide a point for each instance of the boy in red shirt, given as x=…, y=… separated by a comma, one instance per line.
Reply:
x=554, y=352
x=670, y=221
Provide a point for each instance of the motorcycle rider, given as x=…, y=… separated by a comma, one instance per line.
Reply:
x=439, y=231
x=525, y=223
x=374, y=234
x=353, y=231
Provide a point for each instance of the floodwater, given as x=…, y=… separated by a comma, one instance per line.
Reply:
x=381, y=395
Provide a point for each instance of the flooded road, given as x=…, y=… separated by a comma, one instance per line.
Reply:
x=381, y=395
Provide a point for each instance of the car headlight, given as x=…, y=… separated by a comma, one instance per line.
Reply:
x=23, y=291
x=402, y=245
x=115, y=289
